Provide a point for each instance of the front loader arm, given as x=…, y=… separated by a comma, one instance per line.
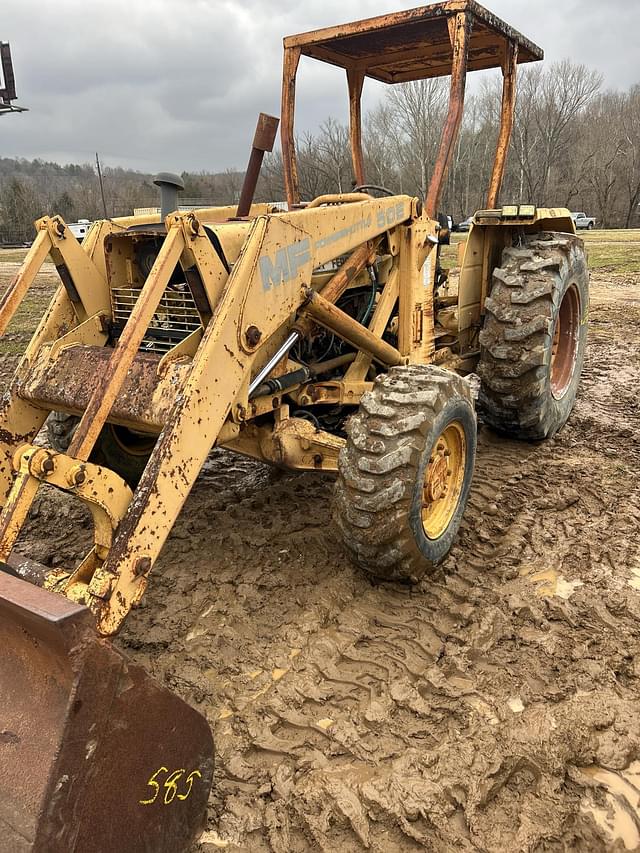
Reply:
x=251, y=310
x=257, y=305
x=221, y=367
x=82, y=294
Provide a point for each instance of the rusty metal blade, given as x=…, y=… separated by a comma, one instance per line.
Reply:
x=95, y=755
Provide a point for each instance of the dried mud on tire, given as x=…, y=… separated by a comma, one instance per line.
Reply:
x=494, y=707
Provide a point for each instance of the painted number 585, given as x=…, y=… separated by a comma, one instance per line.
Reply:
x=170, y=785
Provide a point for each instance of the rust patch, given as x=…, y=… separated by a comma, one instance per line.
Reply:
x=144, y=401
x=73, y=713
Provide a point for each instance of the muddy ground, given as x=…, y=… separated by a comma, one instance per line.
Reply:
x=495, y=707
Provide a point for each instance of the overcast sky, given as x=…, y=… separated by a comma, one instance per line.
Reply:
x=163, y=84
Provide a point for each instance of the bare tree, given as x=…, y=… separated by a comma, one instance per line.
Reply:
x=334, y=160
x=571, y=146
x=382, y=146
x=312, y=182
x=631, y=153
x=418, y=109
x=549, y=100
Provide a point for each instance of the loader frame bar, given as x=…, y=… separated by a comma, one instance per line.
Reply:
x=507, y=112
x=459, y=29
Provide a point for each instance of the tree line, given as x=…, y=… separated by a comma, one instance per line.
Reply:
x=574, y=145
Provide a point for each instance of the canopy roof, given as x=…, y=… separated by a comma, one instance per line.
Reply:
x=414, y=44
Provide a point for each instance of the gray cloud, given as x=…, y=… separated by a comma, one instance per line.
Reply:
x=163, y=84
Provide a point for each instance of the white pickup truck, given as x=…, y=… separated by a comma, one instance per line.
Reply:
x=581, y=220
x=79, y=228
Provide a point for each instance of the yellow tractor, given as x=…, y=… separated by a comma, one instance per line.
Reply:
x=319, y=338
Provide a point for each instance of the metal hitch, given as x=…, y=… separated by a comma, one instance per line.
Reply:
x=95, y=755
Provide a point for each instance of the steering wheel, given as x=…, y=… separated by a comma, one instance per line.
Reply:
x=363, y=188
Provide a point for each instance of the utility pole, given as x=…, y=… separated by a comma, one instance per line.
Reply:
x=104, y=203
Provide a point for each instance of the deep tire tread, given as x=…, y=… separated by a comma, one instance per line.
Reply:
x=385, y=446
x=516, y=338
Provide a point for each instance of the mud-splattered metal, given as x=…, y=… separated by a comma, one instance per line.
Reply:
x=83, y=734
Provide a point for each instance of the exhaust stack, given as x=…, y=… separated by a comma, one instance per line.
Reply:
x=170, y=185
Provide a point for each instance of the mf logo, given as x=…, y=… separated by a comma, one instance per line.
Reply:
x=285, y=265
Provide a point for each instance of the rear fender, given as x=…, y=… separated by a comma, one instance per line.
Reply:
x=489, y=234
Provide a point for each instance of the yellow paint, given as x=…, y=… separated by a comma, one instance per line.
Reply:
x=277, y=674
x=170, y=785
x=225, y=714
x=325, y=723
x=190, y=779
x=550, y=583
x=255, y=673
x=152, y=783
x=443, y=480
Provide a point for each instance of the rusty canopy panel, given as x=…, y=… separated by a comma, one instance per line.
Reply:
x=443, y=39
x=414, y=44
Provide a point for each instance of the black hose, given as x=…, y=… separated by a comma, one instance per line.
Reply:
x=282, y=383
x=372, y=300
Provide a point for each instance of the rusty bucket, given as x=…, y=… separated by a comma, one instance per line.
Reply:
x=95, y=755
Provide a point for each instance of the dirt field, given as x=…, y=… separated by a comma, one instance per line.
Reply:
x=495, y=707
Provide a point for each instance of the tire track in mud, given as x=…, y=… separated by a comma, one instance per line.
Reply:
x=455, y=715
x=355, y=726
x=479, y=710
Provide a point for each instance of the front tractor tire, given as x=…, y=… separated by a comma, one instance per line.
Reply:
x=405, y=472
x=118, y=448
x=534, y=336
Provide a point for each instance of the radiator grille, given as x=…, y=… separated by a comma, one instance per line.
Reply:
x=175, y=319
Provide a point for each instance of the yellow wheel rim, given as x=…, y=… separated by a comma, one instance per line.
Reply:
x=443, y=480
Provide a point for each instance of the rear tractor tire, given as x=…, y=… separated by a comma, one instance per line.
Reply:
x=534, y=336
x=405, y=472
x=118, y=448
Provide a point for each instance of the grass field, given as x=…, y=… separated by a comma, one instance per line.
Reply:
x=617, y=252
x=12, y=255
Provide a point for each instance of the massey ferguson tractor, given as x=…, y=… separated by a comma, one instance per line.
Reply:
x=319, y=338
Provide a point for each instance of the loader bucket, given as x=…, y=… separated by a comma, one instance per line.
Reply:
x=95, y=755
